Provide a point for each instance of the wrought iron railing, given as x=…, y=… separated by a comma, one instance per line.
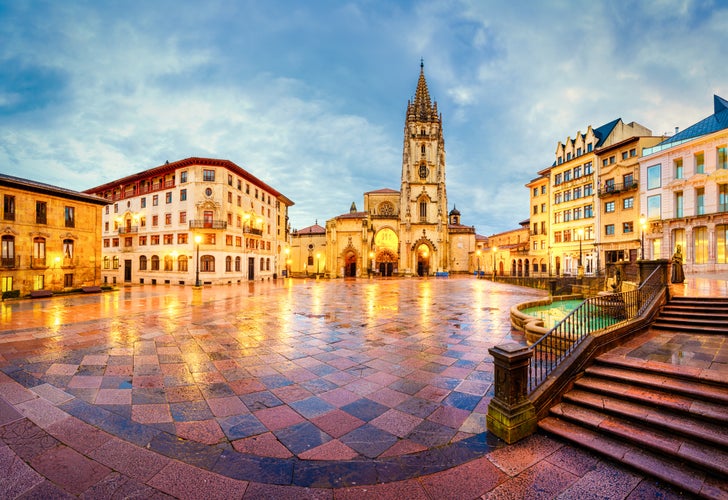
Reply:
x=594, y=314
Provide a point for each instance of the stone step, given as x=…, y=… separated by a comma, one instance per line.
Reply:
x=699, y=300
x=685, y=477
x=681, y=327
x=692, y=313
x=706, y=410
x=615, y=359
x=675, y=423
x=698, y=454
x=692, y=387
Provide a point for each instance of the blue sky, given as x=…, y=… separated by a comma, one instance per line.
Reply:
x=310, y=96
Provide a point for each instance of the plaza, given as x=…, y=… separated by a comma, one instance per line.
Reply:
x=278, y=389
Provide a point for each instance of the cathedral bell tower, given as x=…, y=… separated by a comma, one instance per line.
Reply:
x=423, y=198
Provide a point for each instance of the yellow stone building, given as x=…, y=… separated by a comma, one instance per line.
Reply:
x=539, y=230
x=575, y=225
x=50, y=237
x=407, y=232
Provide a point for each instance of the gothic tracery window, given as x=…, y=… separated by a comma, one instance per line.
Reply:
x=386, y=208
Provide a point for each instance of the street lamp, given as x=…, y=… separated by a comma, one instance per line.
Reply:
x=288, y=262
x=370, y=269
x=318, y=264
x=477, y=252
x=643, y=226
x=198, y=239
x=580, y=269
x=495, y=249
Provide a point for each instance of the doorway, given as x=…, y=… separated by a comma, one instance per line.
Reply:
x=127, y=271
x=251, y=268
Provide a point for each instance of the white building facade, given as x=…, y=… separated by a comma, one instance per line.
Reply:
x=684, y=190
x=195, y=221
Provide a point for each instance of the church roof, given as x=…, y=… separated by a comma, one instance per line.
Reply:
x=315, y=229
x=352, y=215
x=383, y=191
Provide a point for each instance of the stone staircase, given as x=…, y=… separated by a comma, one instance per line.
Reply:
x=667, y=421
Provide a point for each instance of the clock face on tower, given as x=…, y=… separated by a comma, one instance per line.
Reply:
x=423, y=171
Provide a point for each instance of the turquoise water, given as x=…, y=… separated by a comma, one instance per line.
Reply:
x=554, y=312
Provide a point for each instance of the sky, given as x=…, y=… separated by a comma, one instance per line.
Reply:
x=310, y=96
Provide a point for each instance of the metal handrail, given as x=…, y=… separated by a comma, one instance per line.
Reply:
x=594, y=314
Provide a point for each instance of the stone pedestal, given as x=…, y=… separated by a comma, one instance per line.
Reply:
x=647, y=266
x=511, y=416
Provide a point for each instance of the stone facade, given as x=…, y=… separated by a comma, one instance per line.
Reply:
x=198, y=219
x=684, y=191
x=407, y=232
x=49, y=237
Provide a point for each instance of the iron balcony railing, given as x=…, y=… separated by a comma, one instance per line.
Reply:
x=128, y=230
x=595, y=313
x=253, y=230
x=609, y=189
x=208, y=224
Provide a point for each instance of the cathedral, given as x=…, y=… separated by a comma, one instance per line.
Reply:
x=407, y=232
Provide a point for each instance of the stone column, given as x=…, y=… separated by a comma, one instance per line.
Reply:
x=511, y=416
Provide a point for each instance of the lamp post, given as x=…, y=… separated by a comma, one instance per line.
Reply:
x=477, y=252
x=288, y=262
x=198, y=239
x=495, y=249
x=643, y=225
x=370, y=269
x=580, y=269
x=318, y=264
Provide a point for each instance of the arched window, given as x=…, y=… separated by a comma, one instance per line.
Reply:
x=262, y=264
x=423, y=209
x=386, y=208
x=207, y=264
x=267, y=264
x=107, y=262
x=422, y=150
x=115, y=262
x=142, y=262
x=237, y=264
x=155, y=263
x=182, y=263
x=228, y=264
x=168, y=263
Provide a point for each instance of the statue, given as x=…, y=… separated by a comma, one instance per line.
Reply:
x=677, y=266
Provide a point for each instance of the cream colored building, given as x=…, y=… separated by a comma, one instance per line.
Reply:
x=539, y=195
x=619, y=201
x=49, y=237
x=307, y=254
x=575, y=215
x=407, y=232
x=194, y=221
x=508, y=252
x=684, y=192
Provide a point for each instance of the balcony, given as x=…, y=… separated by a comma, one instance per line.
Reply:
x=620, y=187
x=10, y=262
x=38, y=263
x=252, y=230
x=129, y=230
x=208, y=224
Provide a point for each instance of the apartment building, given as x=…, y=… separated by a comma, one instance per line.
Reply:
x=575, y=212
x=539, y=221
x=193, y=221
x=684, y=192
x=49, y=237
x=618, y=177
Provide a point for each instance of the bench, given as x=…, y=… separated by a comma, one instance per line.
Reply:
x=35, y=294
x=91, y=289
x=442, y=274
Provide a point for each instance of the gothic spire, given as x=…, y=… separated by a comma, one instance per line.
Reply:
x=421, y=107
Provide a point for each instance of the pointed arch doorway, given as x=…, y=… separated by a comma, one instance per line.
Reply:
x=350, y=265
x=387, y=262
x=423, y=260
